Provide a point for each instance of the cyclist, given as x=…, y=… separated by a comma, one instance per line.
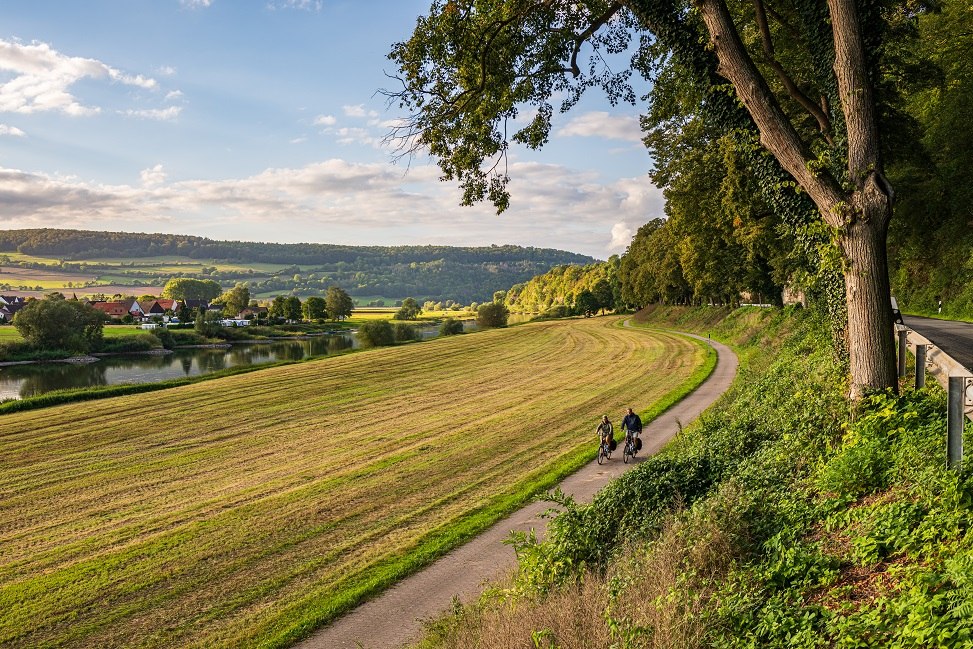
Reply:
x=632, y=425
x=605, y=431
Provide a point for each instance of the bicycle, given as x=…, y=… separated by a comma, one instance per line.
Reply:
x=631, y=445
x=604, y=452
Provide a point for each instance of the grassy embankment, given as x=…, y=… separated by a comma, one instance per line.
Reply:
x=249, y=510
x=780, y=519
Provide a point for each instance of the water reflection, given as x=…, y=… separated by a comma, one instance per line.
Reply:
x=19, y=381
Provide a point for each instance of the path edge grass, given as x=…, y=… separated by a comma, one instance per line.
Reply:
x=438, y=542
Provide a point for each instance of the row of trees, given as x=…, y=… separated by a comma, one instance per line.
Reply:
x=778, y=129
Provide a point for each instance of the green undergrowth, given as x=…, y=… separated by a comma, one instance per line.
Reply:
x=781, y=518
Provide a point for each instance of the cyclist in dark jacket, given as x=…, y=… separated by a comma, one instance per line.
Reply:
x=631, y=424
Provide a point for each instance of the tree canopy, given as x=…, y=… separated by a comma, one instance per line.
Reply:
x=56, y=323
x=797, y=84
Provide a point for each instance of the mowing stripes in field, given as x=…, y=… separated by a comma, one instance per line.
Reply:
x=231, y=512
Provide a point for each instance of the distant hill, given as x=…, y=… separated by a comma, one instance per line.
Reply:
x=463, y=274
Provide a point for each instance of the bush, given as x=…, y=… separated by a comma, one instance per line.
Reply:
x=187, y=338
x=450, y=327
x=404, y=333
x=493, y=314
x=377, y=333
x=131, y=344
x=56, y=323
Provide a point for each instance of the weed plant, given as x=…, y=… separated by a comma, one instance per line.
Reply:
x=782, y=518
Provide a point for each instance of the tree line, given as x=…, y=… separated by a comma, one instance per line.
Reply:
x=780, y=131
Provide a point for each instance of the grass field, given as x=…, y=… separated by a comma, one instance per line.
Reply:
x=9, y=333
x=245, y=511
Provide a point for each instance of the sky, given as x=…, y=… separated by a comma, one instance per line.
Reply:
x=261, y=120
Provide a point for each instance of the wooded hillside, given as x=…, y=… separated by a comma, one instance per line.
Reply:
x=463, y=274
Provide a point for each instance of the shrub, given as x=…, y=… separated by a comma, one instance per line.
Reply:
x=450, y=327
x=377, y=333
x=404, y=332
x=493, y=314
x=131, y=344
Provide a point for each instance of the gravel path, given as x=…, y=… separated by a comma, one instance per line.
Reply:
x=393, y=619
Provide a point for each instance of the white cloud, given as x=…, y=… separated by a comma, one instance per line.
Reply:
x=344, y=202
x=196, y=4
x=304, y=5
x=359, y=111
x=6, y=129
x=42, y=78
x=622, y=234
x=166, y=70
x=153, y=176
x=173, y=95
x=161, y=114
x=603, y=124
x=325, y=120
x=298, y=140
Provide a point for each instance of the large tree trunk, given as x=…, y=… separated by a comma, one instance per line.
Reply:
x=871, y=352
x=860, y=216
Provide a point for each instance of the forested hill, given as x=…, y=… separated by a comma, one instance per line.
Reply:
x=462, y=274
x=77, y=245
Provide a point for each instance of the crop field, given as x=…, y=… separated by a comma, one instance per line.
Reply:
x=247, y=510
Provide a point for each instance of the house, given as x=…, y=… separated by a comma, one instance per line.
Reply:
x=252, y=312
x=9, y=309
x=11, y=299
x=114, y=310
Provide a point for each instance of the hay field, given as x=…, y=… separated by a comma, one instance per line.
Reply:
x=245, y=511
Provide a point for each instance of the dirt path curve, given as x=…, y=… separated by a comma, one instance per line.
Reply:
x=393, y=619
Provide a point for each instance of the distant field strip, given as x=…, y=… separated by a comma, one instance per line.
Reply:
x=243, y=511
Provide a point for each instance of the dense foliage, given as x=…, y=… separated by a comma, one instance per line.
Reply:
x=561, y=286
x=781, y=519
x=58, y=324
x=492, y=314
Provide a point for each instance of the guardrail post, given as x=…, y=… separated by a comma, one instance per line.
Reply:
x=920, y=366
x=955, y=421
x=903, y=347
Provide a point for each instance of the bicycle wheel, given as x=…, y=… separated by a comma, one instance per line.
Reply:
x=627, y=453
x=601, y=454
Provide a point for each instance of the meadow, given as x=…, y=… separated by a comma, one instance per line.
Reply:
x=248, y=510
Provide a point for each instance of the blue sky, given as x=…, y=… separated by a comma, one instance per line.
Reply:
x=259, y=120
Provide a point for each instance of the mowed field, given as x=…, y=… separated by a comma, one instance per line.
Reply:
x=246, y=510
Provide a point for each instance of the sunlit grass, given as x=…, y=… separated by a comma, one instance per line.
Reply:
x=244, y=511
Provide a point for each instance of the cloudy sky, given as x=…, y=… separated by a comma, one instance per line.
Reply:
x=259, y=120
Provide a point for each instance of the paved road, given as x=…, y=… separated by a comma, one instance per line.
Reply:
x=954, y=338
x=394, y=618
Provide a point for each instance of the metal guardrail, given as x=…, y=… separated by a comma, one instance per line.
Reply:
x=951, y=375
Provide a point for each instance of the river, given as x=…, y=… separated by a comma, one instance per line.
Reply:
x=20, y=381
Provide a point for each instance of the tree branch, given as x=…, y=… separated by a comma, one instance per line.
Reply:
x=824, y=123
x=580, y=39
x=777, y=133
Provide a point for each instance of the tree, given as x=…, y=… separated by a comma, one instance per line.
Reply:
x=186, y=288
x=278, y=308
x=586, y=303
x=339, y=303
x=292, y=308
x=492, y=314
x=56, y=323
x=234, y=300
x=450, y=327
x=376, y=333
x=603, y=294
x=467, y=71
x=409, y=310
x=315, y=308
